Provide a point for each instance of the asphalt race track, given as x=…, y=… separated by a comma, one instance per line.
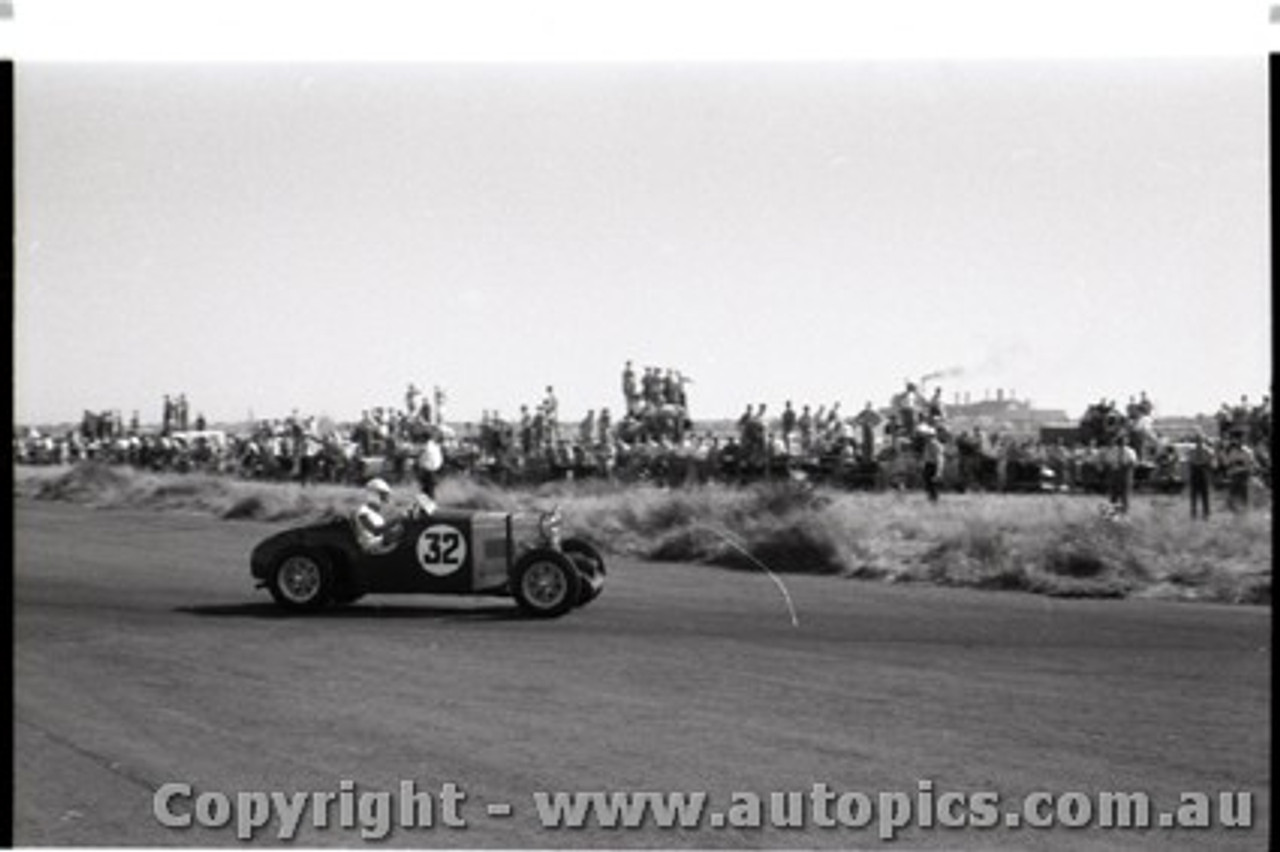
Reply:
x=145, y=656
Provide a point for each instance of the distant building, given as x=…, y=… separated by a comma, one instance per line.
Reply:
x=1184, y=428
x=1005, y=413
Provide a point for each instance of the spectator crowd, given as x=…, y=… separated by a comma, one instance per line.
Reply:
x=911, y=443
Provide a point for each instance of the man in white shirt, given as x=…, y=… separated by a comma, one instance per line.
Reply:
x=933, y=459
x=1123, y=461
x=430, y=461
x=1239, y=462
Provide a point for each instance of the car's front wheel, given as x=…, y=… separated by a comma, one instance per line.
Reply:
x=590, y=565
x=301, y=581
x=545, y=583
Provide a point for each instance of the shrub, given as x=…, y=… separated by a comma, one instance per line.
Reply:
x=1057, y=545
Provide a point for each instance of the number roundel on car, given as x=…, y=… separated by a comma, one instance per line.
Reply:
x=442, y=549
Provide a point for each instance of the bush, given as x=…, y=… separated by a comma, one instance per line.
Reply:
x=1053, y=545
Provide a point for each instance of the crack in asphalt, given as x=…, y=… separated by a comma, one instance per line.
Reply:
x=113, y=766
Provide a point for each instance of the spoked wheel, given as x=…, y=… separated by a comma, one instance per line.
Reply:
x=545, y=583
x=301, y=582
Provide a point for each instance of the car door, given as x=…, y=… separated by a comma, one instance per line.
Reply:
x=432, y=556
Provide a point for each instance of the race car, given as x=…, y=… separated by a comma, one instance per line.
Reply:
x=433, y=551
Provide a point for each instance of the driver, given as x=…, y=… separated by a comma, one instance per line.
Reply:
x=373, y=532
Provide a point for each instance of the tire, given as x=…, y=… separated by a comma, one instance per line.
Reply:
x=590, y=565
x=545, y=583
x=301, y=581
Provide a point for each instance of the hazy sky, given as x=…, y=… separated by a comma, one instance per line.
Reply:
x=275, y=236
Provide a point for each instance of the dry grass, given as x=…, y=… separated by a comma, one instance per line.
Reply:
x=1054, y=545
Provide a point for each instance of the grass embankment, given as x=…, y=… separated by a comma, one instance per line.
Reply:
x=1054, y=545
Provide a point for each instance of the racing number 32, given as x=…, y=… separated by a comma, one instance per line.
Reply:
x=441, y=549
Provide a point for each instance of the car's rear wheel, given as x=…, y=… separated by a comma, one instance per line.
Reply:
x=301, y=581
x=545, y=583
x=590, y=565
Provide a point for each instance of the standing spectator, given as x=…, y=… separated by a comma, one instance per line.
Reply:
x=440, y=398
x=429, y=463
x=1112, y=420
x=744, y=424
x=727, y=462
x=308, y=453
x=1239, y=463
x=411, y=395
x=1056, y=456
x=551, y=414
x=788, y=425
x=1200, y=463
x=1145, y=407
x=833, y=419
x=682, y=395
x=670, y=388
x=297, y=444
x=1260, y=422
x=936, y=412
x=1240, y=417
x=805, y=424
x=1123, y=461
x=363, y=433
x=166, y=422
x=1223, y=418
x=604, y=425
x=425, y=415
x=1262, y=461
x=908, y=404
x=649, y=386
x=606, y=455
x=526, y=432
x=1004, y=452
x=629, y=393
x=759, y=438
x=541, y=437
x=868, y=419
x=587, y=429
x=968, y=462
x=933, y=456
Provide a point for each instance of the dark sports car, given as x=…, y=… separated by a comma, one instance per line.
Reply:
x=433, y=552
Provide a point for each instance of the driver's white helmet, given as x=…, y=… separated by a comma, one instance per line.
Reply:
x=378, y=486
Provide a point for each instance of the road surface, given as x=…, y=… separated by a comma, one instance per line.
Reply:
x=145, y=657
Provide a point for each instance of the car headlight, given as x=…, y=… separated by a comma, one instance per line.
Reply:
x=549, y=526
